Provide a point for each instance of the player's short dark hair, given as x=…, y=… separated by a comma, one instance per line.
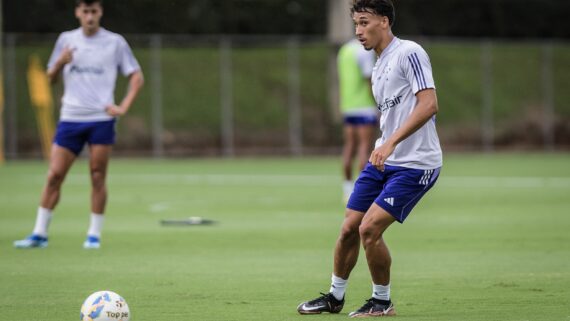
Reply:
x=88, y=2
x=380, y=7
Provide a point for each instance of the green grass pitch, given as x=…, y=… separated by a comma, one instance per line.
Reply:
x=491, y=241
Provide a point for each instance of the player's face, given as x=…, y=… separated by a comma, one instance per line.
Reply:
x=89, y=16
x=370, y=29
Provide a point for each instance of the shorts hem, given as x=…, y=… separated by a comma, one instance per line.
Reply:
x=356, y=209
x=390, y=211
x=68, y=148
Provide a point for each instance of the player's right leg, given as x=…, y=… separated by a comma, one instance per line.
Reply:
x=348, y=151
x=345, y=258
x=61, y=160
x=365, y=134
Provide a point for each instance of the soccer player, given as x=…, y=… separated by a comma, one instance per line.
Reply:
x=89, y=58
x=403, y=166
x=357, y=105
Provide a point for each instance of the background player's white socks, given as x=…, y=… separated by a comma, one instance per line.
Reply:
x=347, y=187
x=42, y=221
x=338, y=287
x=96, y=224
x=381, y=292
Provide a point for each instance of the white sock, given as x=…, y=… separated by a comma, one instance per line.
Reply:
x=42, y=221
x=338, y=287
x=381, y=292
x=347, y=187
x=96, y=224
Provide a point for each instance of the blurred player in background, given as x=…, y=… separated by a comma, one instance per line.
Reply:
x=358, y=108
x=404, y=165
x=89, y=58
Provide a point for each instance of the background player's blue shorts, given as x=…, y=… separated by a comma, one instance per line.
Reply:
x=397, y=190
x=361, y=120
x=74, y=135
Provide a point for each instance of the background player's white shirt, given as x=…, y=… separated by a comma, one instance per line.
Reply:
x=89, y=79
x=402, y=70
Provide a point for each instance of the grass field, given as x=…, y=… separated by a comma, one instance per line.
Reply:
x=491, y=241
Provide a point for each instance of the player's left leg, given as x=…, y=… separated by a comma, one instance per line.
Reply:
x=402, y=191
x=101, y=140
x=374, y=223
x=98, y=163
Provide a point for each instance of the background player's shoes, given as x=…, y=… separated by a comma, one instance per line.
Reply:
x=31, y=241
x=92, y=242
x=325, y=303
x=374, y=308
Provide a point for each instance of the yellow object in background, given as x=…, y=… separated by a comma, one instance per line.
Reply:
x=41, y=98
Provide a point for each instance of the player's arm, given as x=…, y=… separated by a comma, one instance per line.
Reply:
x=426, y=108
x=64, y=58
x=136, y=81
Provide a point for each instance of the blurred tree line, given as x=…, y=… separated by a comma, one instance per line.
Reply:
x=454, y=18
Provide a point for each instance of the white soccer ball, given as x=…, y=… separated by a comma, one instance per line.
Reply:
x=105, y=306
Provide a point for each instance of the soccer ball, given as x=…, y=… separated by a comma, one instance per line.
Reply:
x=105, y=306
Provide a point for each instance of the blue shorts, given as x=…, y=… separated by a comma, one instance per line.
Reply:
x=361, y=120
x=74, y=135
x=397, y=190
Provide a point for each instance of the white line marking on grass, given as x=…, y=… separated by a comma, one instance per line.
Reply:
x=325, y=180
x=505, y=182
x=305, y=180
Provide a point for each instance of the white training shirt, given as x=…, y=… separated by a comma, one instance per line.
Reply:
x=89, y=79
x=402, y=70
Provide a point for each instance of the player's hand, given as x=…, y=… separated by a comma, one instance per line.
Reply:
x=66, y=56
x=380, y=154
x=115, y=110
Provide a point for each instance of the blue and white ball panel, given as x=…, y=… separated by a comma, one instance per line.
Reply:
x=397, y=190
x=74, y=135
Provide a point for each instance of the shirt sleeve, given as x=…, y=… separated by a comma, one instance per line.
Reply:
x=58, y=48
x=127, y=61
x=417, y=69
x=365, y=60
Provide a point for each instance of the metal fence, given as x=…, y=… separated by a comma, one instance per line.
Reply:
x=236, y=95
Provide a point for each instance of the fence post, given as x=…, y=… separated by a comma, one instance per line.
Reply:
x=547, y=97
x=156, y=96
x=10, y=94
x=10, y=101
x=226, y=94
x=487, y=126
x=295, y=119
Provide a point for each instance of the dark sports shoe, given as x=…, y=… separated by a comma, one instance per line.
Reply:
x=325, y=303
x=374, y=308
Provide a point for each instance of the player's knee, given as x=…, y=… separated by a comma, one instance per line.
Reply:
x=55, y=178
x=367, y=234
x=97, y=177
x=348, y=233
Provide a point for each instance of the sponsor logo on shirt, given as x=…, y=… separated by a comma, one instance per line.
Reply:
x=389, y=103
x=86, y=69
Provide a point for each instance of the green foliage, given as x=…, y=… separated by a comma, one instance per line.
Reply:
x=192, y=94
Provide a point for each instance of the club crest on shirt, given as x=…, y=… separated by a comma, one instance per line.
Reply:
x=389, y=103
